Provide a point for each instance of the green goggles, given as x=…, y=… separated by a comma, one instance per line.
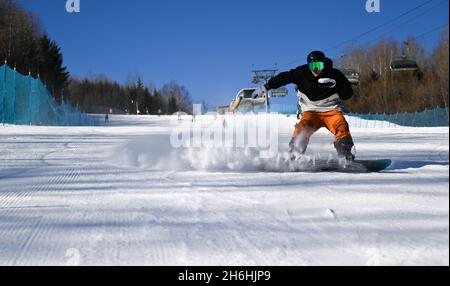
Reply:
x=316, y=66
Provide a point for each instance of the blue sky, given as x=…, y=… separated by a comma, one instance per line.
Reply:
x=211, y=46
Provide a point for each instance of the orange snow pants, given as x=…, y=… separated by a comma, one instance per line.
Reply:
x=313, y=121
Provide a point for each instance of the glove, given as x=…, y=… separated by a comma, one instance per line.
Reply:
x=327, y=83
x=259, y=92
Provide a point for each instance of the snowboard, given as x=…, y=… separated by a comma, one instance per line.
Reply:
x=335, y=165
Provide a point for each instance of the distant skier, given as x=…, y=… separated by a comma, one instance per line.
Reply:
x=321, y=90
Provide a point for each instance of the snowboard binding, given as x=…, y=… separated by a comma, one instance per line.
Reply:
x=344, y=148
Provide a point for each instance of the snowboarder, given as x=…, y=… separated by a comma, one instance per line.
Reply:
x=321, y=90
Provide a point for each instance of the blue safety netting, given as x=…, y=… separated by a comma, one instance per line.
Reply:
x=273, y=108
x=25, y=100
x=283, y=108
x=438, y=117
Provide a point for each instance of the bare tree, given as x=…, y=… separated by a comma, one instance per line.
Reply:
x=441, y=67
x=20, y=32
x=382, y=90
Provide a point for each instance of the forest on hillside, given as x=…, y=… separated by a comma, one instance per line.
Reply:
x=25, y=46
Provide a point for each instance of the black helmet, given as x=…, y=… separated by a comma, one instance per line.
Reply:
x=328, y=63
x=316, y=62
x=316, y=56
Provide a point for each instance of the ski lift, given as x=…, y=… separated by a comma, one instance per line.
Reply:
x=349, y=72
x=352, y=75
x=404, y=62
x=263, y=76
x=244, y=100
x=279, y=92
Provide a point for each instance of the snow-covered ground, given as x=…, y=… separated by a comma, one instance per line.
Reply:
x=121, y=195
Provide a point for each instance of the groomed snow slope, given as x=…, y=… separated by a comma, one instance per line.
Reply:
x=120, y=195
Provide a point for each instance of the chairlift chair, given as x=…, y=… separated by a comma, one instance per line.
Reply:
x=348, y=70
x=279, y=92
x=352, y=75
x=404, y=63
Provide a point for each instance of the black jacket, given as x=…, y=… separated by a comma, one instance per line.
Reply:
x=308, y=84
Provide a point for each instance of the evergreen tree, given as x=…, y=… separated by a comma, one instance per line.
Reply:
x=52, y=71
x=173, y=106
